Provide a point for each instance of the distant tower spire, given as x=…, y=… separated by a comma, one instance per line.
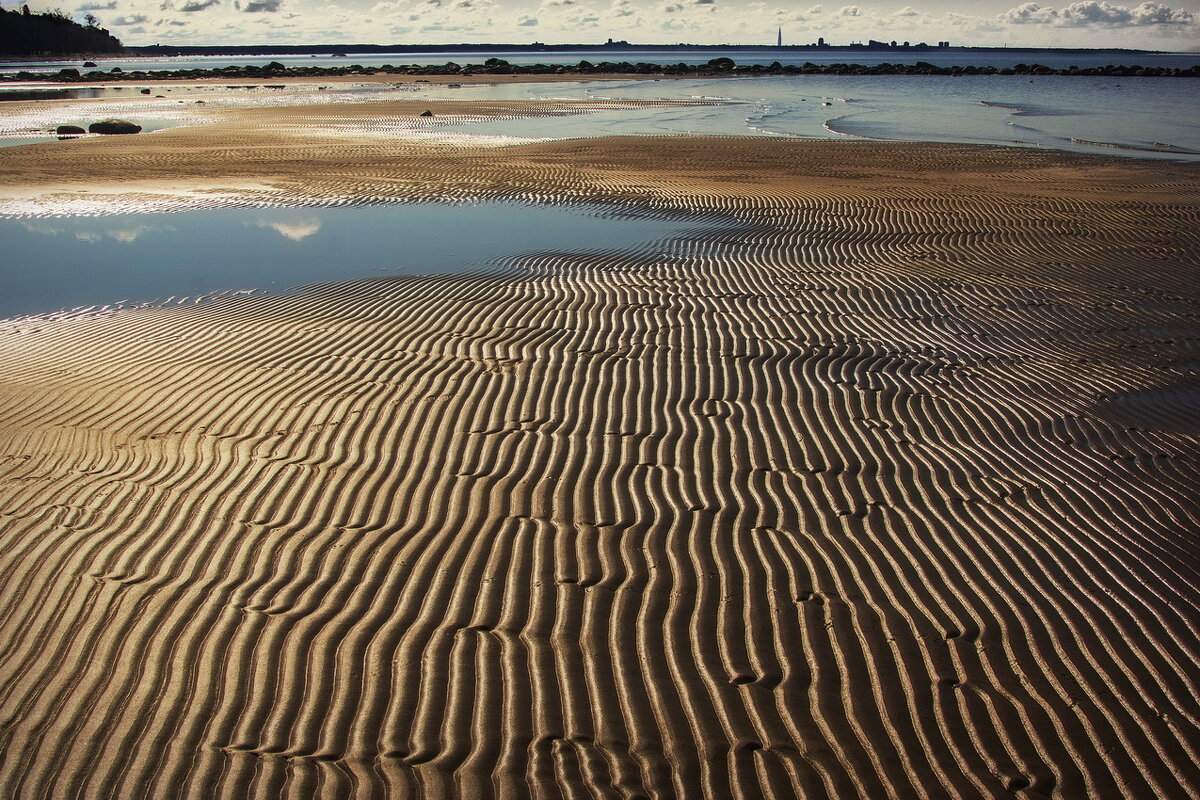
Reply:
x=779, y=38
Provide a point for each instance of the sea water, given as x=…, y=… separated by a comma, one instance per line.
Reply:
x=1140, y=117
x=70, y=263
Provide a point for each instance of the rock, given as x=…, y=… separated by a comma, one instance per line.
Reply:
x=113, y=126
x=145, y=91
x=89, y=63
x=426, y=113
x=67, y=130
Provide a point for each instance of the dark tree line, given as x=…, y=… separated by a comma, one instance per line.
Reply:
x=26, y=34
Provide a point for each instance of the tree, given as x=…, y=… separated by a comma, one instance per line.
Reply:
x=24, y=33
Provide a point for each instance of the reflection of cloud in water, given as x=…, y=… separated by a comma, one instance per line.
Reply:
x=127, y=234
x=41, y=227
x=124, y=235
x=296, y=231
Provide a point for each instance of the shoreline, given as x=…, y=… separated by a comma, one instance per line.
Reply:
x=890, y=489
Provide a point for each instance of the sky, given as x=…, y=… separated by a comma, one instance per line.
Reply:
x=1153, y=25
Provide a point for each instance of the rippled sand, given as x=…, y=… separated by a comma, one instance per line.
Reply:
x=884, y=483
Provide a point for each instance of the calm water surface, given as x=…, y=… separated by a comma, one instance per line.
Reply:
x=66, y=263
x=1139, y=117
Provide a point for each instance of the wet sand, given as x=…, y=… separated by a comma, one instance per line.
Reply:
x=884, y=483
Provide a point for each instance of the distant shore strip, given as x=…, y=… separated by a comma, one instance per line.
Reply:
x=717, y=67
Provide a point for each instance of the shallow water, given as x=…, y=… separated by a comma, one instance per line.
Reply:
x=1144, y=117
x=1140, y=117
x=54, y=264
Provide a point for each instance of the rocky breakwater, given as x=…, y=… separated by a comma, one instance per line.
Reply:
x=497, y=66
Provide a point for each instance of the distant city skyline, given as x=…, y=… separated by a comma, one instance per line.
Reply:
x=1173, y=25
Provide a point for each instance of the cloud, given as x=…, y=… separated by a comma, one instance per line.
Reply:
x=136, y=19
x=1029, y=14
x=198, y=5
x=1098, y=14
x=850, y=11
x=1158, y=14
x=258, y=6
x=705, y=2
x=527, y=22
x=907, y=11
x=98, y=6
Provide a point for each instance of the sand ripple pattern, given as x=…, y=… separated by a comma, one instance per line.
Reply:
x=876, y=490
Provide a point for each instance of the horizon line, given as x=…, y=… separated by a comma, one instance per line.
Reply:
x=541, y=46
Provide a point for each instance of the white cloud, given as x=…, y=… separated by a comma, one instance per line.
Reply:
x=1029, y=13
x=1063, y=23
x=1098, y=14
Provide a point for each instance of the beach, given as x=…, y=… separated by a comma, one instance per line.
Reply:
x=882, y=481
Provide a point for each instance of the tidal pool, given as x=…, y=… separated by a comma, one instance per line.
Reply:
x=66, y=263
